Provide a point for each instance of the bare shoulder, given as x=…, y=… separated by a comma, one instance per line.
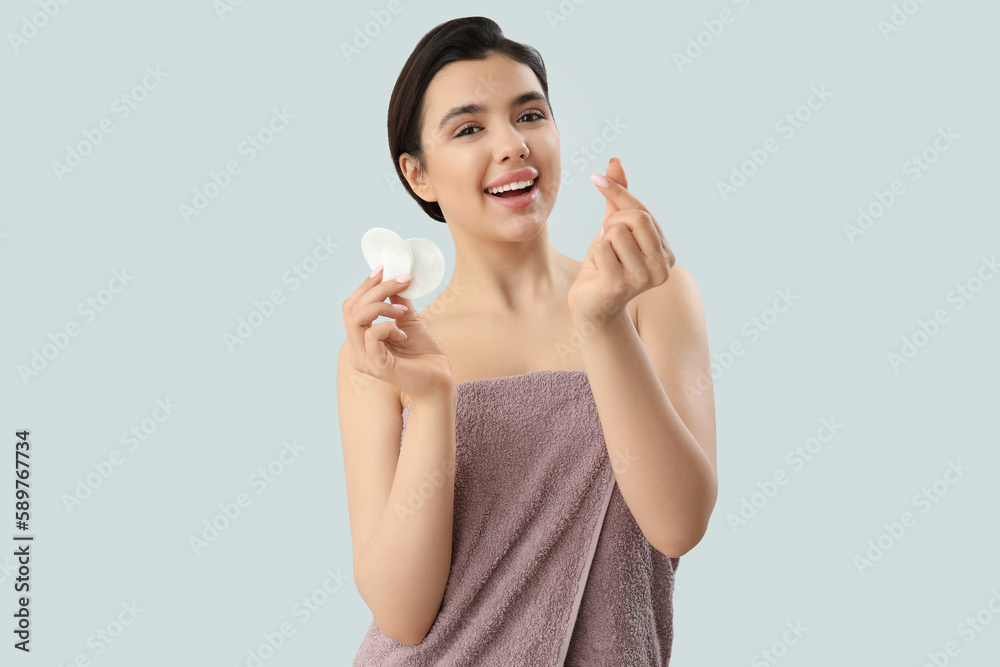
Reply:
x=677, y=300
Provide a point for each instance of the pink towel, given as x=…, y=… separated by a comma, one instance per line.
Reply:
x=548, y=566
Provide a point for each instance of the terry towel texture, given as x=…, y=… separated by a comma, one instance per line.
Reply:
x=548, y=566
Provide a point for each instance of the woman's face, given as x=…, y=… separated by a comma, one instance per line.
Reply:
x=467, y=151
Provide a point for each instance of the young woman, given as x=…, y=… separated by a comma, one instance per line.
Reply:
x=528, y=458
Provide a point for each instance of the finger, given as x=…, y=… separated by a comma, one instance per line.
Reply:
x=376, y=350
x=354, y=327
x=371, y=312
x=615, y=173
x=608, y=265
x=366, y=284
x=396, y=298
x=618, y=195
x=390, y=288
x=619, y=173
x=609, y=206
x=644, y=237
x=626, y=248
x=358, y=295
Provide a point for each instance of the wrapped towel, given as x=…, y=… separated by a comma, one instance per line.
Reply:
x=548, y=566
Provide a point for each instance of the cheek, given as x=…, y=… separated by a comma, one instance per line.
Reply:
x=457, y=175
x=553, y=148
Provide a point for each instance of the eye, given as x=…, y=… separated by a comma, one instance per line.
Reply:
x=462, y=131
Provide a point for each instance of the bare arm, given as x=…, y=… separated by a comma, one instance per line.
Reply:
x=402, y=540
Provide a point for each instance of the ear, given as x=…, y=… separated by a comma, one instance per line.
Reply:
x=416, y=177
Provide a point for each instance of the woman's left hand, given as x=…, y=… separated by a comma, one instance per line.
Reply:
x=628, y=256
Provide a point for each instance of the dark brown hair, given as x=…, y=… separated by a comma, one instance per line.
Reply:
x=470, y=38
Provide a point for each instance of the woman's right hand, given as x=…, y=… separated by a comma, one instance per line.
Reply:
x=415, y=363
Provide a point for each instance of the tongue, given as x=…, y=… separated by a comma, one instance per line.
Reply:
x=512, y=193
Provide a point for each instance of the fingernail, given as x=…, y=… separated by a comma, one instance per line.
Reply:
x=403, y=278
x=376, y=271
x=600, y=180
x=602, y=232
x=399, y=306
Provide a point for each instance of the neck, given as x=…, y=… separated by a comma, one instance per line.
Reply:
x=507, y=278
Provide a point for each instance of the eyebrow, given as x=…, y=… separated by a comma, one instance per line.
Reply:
x=532, y=96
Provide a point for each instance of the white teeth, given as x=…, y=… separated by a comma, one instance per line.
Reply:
x=516, y=185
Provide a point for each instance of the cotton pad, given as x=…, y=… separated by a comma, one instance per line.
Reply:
x=419, y=257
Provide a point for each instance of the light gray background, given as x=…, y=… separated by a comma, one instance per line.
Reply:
x=328, y=175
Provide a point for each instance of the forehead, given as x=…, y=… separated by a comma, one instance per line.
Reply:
x=477, y=82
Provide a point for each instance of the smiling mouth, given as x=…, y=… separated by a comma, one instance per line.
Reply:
x=510, y=194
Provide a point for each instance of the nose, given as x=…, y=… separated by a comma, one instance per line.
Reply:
x=510, y=143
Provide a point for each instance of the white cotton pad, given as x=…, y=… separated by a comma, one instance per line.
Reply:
x=419, y=257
